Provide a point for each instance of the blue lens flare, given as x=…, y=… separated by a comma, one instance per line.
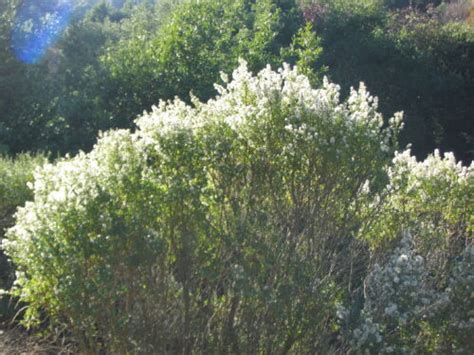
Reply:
x=38, y=24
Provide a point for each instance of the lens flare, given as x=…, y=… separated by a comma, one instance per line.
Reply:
x=38, y=24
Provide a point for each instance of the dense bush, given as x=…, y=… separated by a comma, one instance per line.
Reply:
x=419, y=296
x=225, y=227
x=268, y=219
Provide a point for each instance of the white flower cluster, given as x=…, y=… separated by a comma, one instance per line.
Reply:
x=432, y=198
x=286, y=100
x=402, y=300
x=434, y=167
x=63, y=190
x=166, y=119
x=396, y=299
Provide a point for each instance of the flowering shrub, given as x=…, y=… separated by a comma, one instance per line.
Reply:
x=433, y=199
x=405, y=312
x=227, y=226
x=396, y=303
x=14, y=177
x=454, y=321
x=421, y=298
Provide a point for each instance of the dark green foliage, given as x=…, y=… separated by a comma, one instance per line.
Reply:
x=412, y=62
x=13, y=84
x=200, y=40
x=113, y=63
x=408, y=3
x=42, y=101
x=60, y=103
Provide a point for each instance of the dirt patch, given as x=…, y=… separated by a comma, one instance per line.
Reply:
x=17, y=341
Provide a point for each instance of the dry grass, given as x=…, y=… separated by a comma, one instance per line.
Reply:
x=17, y=341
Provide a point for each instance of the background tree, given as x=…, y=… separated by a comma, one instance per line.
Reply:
x=411, y=61
x=200, y=40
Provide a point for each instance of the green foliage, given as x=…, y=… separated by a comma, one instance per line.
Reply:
x=60, y=103
x=15, y=175
x=411, y=61
x=432, y=198
x=418, y=299
x=198, y=41
x=12, y=80
x=47, y=97
x=227, y=227
x=305, y=51
x=112, y=63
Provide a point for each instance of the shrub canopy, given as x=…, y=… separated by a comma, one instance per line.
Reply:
x=247, y=224
x=228, y=222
